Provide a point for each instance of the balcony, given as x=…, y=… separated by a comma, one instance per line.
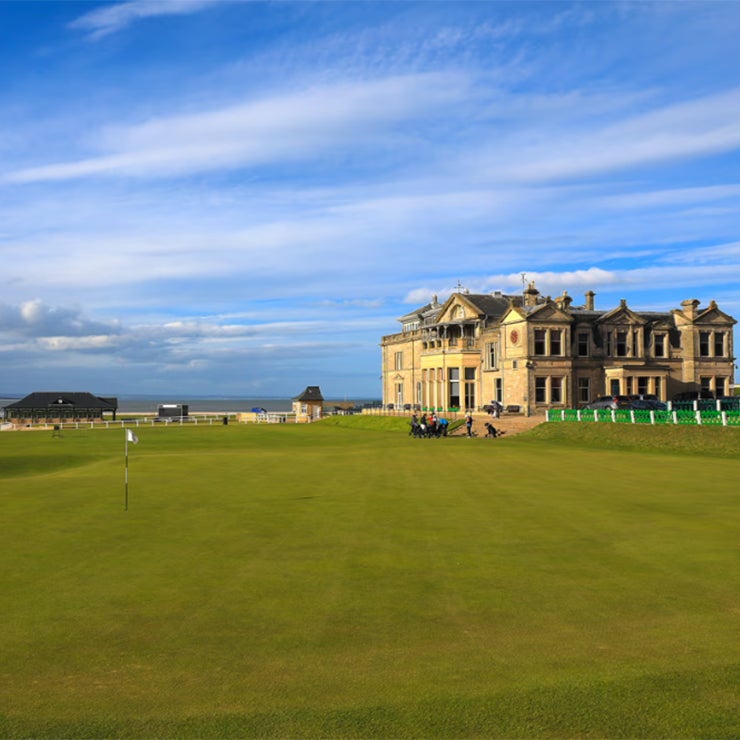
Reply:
x=453, y=345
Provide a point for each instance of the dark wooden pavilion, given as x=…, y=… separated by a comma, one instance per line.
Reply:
x=48, y=407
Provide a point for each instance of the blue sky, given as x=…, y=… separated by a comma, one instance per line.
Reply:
x=240, y=198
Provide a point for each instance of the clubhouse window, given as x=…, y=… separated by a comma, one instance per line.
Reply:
x=556, y=342
x=454, y=387
x=540, y=342
x=621, y=344
x=636, y=343
x=583, y=344
x=659, y=345
x=540, y=390
x=491, y=355
x=500, y=390
x=548, y=342
x=704, y=337
x=548, y=389
x=556, y=390
x=470, y=388
x=584, y=390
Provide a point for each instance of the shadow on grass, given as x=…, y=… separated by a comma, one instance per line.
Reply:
x=696, y=705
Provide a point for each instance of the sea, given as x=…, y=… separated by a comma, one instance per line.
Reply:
x=213, y=404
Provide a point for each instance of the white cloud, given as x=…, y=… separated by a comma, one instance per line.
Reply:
x=66, y=344
x=703, y=126
x=658, y=277
x=422, y=296
x=292, y=127
x=108, y=19
x=556, y=281
x=668, y=198
x=36, y=318
x=718, y=255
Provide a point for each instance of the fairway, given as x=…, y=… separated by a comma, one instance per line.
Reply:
x=342, y=579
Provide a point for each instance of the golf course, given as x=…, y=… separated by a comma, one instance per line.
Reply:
x=344, y=580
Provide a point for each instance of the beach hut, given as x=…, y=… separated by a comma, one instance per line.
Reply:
x=309, y=406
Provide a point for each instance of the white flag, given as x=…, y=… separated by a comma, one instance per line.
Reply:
x=131, y=437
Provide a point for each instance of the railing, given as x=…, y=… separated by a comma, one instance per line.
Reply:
x=143, y=421
x=409, y=410
x=708, y=417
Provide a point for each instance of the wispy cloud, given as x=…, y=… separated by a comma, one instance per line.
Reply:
x=108, y=19
x=292, y=127
x=669, y=198
x=581, y=147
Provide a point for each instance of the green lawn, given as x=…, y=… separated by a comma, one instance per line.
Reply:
x=342, y=579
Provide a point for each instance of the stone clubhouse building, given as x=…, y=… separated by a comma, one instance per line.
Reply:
x=535, y=352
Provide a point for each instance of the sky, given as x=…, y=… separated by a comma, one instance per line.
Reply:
x=241, y=198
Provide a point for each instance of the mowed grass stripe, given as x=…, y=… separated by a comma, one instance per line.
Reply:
x=334, y=581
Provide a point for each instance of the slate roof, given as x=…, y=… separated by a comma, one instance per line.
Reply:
x=495, y=305
x=312, y=393
x=64, y=399
x=417, y=312
x=492, y=305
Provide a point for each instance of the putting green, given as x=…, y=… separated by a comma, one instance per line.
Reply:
x=345, y=580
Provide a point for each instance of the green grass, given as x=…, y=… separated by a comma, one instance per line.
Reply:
x=341, y=579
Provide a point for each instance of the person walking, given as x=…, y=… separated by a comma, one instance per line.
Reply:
x=469, y=423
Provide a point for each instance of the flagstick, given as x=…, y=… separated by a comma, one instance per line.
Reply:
x=125, y=476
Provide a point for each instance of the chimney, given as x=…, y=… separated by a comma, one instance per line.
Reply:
x=590, y=295
x=563, y=301
x=530, y=295
x=689, y=307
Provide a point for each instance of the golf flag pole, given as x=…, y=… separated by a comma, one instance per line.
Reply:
x=130, y=437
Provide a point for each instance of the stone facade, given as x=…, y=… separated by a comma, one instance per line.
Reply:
x=536, y=352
